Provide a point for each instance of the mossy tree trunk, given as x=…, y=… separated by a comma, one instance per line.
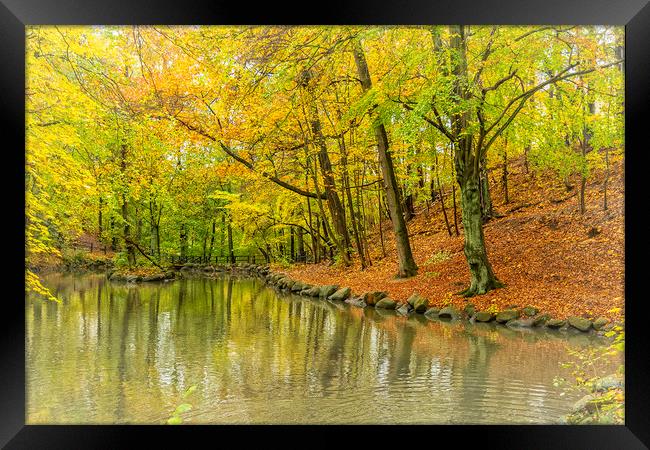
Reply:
x=467, y=161
x=482, y=278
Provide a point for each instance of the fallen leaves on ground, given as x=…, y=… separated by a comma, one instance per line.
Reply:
x=548, y=255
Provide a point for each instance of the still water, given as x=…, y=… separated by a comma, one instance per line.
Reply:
x=114, y=353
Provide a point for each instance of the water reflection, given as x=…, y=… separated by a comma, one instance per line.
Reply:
x=113, y=353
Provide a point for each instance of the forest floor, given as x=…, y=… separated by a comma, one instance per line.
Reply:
x=547, y=253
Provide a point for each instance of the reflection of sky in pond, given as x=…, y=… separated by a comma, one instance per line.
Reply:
x=117, y=354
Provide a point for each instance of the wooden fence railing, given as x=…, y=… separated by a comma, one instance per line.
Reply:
x=253, y=259
x=177, y=260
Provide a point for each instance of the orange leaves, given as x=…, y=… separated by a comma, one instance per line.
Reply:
x=533, y=250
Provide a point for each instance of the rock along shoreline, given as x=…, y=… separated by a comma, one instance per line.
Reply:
x=513, y=317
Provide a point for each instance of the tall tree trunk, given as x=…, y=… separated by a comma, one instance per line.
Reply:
x=316, y=238
x=340, y=233
x=482, y=278
x=407, y=266
x=204, y=247
x=408, y=204
x=183, y=240
x=322, y=220
x=281, y=243
x=113, y=237
x=214, y=229
x=505, y=172
x=486, y=199
x=586, y=143
x=155, y=241
x=99, y=217
x=453, y=195
x=231, y=251
x=432, y=189
x=269, y=252
x=222, y=235
x=526, y=151
x=379, y=224
x=466, y=159
x=361, y=206
x=409, y=207
x=606, y=178
x=313, y=234
x=442, y=197
x=354, y=218
x=301, y=244
x=155, y=231
x=130, y=250
x=267, y=258
x=138, y=224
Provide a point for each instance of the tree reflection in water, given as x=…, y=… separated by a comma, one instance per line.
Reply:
x=113, y=353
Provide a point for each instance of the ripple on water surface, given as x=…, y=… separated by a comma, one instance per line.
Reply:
x=116, y=354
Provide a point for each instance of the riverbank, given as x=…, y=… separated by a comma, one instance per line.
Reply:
x=512, y=316
x=547, y=254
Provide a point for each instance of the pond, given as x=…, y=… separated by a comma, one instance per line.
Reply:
x=118, y=353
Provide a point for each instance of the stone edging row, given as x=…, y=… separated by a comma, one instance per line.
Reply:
x=514, y=317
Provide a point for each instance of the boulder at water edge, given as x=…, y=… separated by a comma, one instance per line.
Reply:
x=371, y=298
x=580, y=323
x=613, y=381
x=555, y=323
x=386, y=303
x=508, y=314
x=449, y=312
x=157, y=277
x=599, y=323
x=530, y=311
x=326, y=291
x=312, y=292
x=541, y=320
x=341, y=294
x=404, y=309
x=305, y=288
x=418, y=303
x=483, y=316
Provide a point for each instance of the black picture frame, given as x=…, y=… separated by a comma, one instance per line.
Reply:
x=634, y=14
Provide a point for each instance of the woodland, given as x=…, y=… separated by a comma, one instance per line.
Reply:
x=342, y=152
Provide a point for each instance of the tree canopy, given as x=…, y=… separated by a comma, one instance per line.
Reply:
x=292, y=143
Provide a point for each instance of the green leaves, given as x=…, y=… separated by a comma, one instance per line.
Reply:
x=174, y=420
x=225, y=196
x=182, y=408
x=189, y=391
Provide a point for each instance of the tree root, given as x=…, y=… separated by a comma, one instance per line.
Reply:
x=473, y=290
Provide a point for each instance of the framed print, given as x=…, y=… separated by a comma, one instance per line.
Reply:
x=245, y=220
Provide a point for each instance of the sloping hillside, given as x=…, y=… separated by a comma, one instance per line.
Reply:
x=547, y=253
